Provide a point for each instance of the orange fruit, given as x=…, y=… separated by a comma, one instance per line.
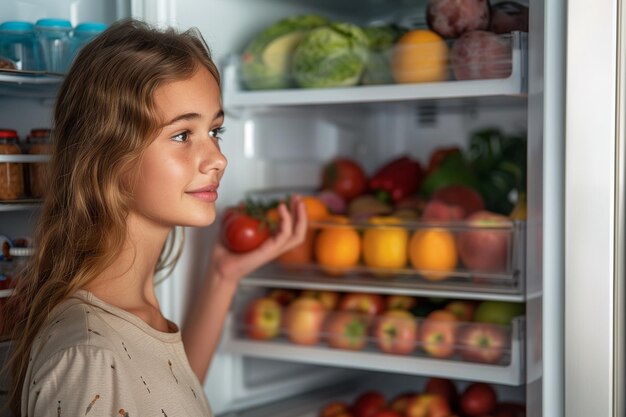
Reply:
x=385, y=247
x=337, y=248
x=420, y=56
x=303, y=254
x=434, y=252
x=315, y=208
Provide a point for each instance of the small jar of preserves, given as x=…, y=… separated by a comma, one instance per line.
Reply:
x=39, y=144
x=11, y=181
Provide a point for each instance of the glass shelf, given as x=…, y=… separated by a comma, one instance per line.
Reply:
x=31, y=84
x=513, y=87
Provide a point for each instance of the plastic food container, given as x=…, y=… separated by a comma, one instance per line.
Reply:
x=54, y=40
x=83, y=34
x=11, y=180
x=39, y=141
x=18, y=43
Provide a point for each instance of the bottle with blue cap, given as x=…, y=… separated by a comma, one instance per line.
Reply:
x=19, y=44
x=83, y=34
x=54, y=39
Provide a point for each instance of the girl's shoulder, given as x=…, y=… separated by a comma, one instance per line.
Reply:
x=71, y=324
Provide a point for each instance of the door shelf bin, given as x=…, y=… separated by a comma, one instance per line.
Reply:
x=470, y=274
x=507, y=82
x=34, y=84
x=327, y=348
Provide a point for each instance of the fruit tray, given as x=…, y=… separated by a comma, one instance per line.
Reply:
x=484, y=65
x=367, y=395
x=484, y=256
x=361, y=332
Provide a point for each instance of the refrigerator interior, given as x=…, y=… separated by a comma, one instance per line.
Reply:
x=281, y=140
x=277, y=141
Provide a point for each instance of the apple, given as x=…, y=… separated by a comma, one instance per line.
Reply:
x=396, y=332
x=329, y=299
x=481, y=342
x=478, y=398
x=437, y=334
x=368, y=404
x=462, y=309
x=368, y=303
x=283, y=296
x=263, y=318
x=347, y=330
x=303, y=320
x=498, y=312
x=334, y=409
x=461, y=196
x=485, y=245
x=400, y=302
x=428, y=405
x=436, y=210
x=445, y=388
x=400, y=402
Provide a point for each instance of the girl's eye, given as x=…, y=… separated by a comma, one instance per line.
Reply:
x=217, y=132
x=181, y=137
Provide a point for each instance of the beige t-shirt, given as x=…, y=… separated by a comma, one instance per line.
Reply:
x=93, y=359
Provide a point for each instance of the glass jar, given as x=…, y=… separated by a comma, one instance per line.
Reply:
x=83, y=34
x=54, y=40
x=18, y=43
x=39, y=144
x=11, y=181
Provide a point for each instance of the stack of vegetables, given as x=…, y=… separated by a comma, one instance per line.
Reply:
x=311, y=51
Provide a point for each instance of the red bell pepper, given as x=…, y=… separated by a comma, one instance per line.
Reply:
x=397, y=180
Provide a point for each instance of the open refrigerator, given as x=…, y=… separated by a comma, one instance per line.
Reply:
x=563, y=357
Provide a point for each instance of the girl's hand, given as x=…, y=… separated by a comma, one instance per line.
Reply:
x=291, y=232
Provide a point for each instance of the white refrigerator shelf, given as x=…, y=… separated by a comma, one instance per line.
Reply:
x=511, y=374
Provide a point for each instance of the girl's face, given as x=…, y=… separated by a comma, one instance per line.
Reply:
x=176, y=181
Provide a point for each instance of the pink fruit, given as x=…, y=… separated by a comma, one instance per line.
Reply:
x=482, y=342
x=452, y=18
x=335, y=202
x=485, y=246
x=481, y=55
x=468, y=199
x=436, y=210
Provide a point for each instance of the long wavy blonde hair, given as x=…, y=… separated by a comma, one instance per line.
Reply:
x=104, y=118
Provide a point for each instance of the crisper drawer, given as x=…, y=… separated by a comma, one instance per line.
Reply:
x=352, y=332
x=476, y=259
x=370, y=391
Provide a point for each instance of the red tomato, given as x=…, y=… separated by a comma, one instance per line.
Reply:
x=243, y=233
x=345, y=177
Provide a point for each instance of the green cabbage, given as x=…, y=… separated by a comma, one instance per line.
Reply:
x=330, y=56
x=266, y=60
x=381, y=40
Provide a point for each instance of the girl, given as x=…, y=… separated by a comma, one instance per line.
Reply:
x=137, y=127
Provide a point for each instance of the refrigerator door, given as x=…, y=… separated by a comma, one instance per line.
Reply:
x=594, y=210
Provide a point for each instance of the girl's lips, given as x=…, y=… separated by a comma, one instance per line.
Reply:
x=208, y=195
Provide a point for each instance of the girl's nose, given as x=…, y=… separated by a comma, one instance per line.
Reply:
x=212, y=158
